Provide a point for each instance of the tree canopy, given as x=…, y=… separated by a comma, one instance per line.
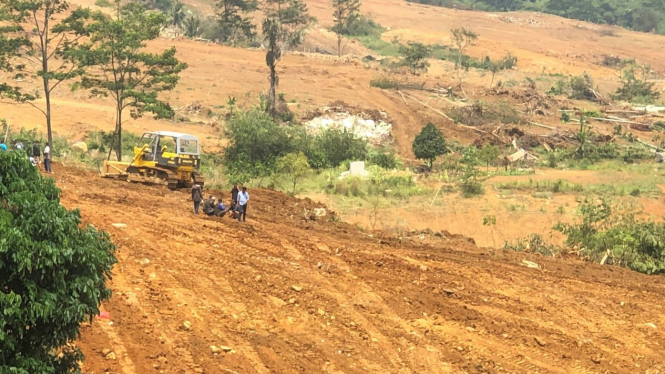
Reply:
x=53, y=272
x=429, y=144
x=123, y=69
x=639, y=15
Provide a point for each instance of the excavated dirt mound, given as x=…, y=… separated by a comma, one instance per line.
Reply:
x=289, y=293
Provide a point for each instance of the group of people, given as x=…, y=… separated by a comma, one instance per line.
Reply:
x=216, y=207
x=35, y=155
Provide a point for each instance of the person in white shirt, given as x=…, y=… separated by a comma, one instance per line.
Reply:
x=47, y=159
x=243, y=199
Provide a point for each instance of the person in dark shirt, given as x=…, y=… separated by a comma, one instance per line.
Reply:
x=197, y=197
x=209, y=206
x=36, y=153
x=234, y=194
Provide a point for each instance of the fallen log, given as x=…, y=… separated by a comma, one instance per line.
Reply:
x=540, y=125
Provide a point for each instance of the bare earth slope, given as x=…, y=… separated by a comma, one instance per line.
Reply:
x=291, y=294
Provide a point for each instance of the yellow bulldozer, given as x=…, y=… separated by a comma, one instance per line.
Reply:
x=169, y=156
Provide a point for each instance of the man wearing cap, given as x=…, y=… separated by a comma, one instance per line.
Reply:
x=3, y=147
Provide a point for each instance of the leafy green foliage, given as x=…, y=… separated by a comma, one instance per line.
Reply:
x=345, y=12
x=53, y=272
x=48, y=51
x=176, y=14
x=256, y=142
x=489, y=154
x=336, y=146
x=415, y=55
x=192, y=25
x=635, y=88
x=640, y=15
x=470, y=184
x=533, y=243
x=429, y=144
x=235, y=23
x=383, y=158
x=295, y=166
x=614, y=234
x=359, y=25
x=122, y=69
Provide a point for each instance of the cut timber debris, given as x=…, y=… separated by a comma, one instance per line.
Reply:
x=530, y=264
x=540, y=125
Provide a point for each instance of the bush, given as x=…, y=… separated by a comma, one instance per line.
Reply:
x=337, y=146
x=360, y=26
x=613, y=233
x=470, y=185
x=415, y=55
x=53, y=272
x=533, y=243
x=635, y=89
x=383, y=158
x=256, y=141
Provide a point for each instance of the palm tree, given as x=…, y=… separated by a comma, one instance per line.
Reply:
x=192, y=25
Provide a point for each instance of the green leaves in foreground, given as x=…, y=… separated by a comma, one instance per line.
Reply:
x=616, y=233
x=53, y=272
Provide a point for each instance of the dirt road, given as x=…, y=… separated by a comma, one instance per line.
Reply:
x=289, y=292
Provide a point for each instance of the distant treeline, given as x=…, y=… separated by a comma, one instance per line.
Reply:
x=639, y=15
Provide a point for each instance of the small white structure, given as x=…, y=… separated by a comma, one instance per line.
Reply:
x=356, y=169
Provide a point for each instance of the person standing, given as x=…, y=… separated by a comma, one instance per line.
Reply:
x=197, y=197
x=47, y=159
x=243, y=199
x=36, y=153
x=234, y=194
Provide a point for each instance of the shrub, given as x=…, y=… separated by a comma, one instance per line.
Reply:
x=613, y=234
x=337, y=146
x=636, y=89
x=361, y=26
x=256, y=141
x=415, y=55
x=383, y=158
x=53, y=272
x=470, y=185
x=533, y=243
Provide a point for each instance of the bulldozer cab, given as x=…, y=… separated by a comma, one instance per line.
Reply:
x=168, y=148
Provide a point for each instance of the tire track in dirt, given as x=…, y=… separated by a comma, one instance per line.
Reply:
x=432, y=305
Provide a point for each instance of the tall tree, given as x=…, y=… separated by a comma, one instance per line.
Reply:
x=462, y=38
x=284, y=28
x=45, y=46
x=344, y=13
x=122, y=67
x=234, y=21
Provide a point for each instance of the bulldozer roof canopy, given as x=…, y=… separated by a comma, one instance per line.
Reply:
x=172, y=134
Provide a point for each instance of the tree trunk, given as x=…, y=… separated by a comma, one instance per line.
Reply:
x=118, y=130
x=339, y=43
x=272, y=96
x=44, y=41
